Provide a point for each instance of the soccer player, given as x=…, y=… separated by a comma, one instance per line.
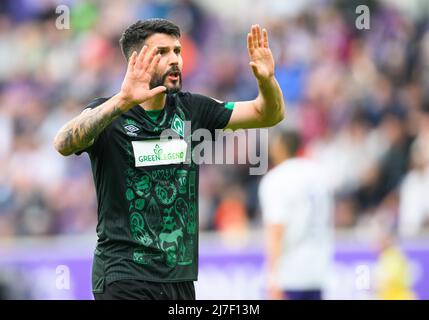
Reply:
x=297, y=212
x=147, y=193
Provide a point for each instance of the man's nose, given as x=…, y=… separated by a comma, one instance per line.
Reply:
x=173, y=59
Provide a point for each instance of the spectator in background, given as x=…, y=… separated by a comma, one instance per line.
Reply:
x=414, y=202
x=378, y=193
x=392, y=270
x=297, y=211
x=231, y=216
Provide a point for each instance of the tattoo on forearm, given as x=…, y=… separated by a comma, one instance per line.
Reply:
x=80, y=133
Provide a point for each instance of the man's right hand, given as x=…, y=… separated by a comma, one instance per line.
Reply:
x=135, y=88
x=81, y=132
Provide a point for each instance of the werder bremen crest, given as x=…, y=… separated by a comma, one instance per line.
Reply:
x=178, y=126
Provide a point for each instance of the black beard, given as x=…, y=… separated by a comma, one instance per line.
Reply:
x=173, y=90
x=158, y=80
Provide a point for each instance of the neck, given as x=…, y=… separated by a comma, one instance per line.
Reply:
x=155, y=103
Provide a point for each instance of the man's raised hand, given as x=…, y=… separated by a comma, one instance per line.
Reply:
x=141, y=67
x=261, y=58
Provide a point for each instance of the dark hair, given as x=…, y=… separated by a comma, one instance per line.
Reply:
x=134, y=37
x=291, y=140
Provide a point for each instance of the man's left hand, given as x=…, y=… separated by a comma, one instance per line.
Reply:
x=261, y=58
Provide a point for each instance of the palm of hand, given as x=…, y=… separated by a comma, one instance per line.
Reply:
x=141, y=69
x=261, y=57
x=264, y=62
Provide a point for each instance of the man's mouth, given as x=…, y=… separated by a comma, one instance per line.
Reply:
x=174, y=76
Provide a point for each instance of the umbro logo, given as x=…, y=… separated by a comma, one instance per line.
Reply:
x=131, y=128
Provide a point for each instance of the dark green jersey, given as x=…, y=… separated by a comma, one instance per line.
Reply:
x=147, y=193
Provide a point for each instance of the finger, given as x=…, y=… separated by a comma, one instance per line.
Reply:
x=132, y=61
x=153, y=64
x=254, y=37
x=258, y=35
x=139, y=62
x=150, y=56
x=249, y=43
x=265, y=37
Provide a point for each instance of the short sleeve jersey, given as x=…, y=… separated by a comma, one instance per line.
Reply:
x=147, y=190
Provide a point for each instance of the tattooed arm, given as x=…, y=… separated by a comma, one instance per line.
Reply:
x=81, y=132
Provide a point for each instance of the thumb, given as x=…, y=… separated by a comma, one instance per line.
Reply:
x=153, y=92
x=254, y=67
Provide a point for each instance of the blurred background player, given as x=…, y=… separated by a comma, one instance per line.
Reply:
x=297, y=211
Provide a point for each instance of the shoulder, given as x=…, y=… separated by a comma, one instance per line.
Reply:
x=270, y=180
x=283, y=169
x=283, y=174
x=412, y=180
x=306, y=171
x=95, y=103
x=196, y=98
x=299, y=166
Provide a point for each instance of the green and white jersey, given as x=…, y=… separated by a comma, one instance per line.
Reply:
x=147, y=193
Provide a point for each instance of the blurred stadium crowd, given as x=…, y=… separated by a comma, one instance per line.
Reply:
x=359, y=98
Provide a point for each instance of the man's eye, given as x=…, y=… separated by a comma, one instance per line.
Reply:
x=161, y=51
x=177, y=51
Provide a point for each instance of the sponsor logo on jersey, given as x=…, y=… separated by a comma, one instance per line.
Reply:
x=158, y=152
